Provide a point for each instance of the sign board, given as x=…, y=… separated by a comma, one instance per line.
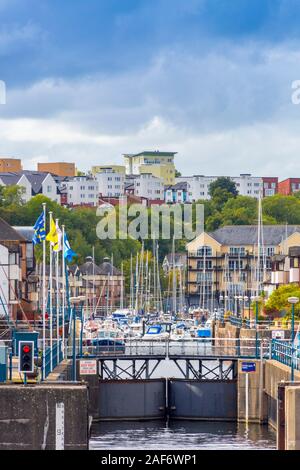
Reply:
x=248, y=366
x=277, y=334
x=60, y=426
x=88, y=367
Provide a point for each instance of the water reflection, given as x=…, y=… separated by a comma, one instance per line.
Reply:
x=180, y=435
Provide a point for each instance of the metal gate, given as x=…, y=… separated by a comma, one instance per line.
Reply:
x=202, y=399
x=132, y=399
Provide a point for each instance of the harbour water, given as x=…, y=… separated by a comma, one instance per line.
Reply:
x=181, y=435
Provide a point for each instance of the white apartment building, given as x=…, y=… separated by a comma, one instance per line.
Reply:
x=150, y=187
x=81, y=190
x=198, y=185
x=111, y=183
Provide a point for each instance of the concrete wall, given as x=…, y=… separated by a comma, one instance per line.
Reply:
x=257, y=399
x=28, y=416
x=292, y=418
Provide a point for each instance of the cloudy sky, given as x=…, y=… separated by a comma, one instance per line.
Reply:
x=89, y=80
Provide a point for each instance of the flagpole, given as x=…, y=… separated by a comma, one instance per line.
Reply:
x=51, y=300
x=44, y=297
x=57, y=294
x=63, y=291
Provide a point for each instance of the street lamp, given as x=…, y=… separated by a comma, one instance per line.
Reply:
x=76, y=300
x=293, y=301
x=256, y=299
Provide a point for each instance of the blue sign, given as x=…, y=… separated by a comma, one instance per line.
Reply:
x=248, y=366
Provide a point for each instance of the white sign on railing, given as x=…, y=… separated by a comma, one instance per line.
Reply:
x=88, y=367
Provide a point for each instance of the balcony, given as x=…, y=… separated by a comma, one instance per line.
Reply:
x=294, y=275
x=279, y=277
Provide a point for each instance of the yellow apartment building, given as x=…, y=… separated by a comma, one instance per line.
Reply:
x=159, y=164
x=224, y=267
x=102, y=168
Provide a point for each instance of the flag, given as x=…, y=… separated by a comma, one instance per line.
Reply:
x=58, y=246
x=69, y=253
x=39, y=230
x=52, y=236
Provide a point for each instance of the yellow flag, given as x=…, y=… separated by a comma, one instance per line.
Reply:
x=52, y=236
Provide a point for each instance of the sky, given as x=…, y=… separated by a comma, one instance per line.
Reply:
x=89, y=80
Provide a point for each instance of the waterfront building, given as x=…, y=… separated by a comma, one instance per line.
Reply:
x=58, y=168
x=101, y=285
x=180, y=262
x=159, y=164
x=16, y=263
x=226, y=262
x=285, y=266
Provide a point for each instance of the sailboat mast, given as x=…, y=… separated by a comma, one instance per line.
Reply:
x=174, y=280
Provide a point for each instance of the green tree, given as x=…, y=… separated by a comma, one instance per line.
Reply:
x=225, y=184
x=278, y=300
x=282, y=209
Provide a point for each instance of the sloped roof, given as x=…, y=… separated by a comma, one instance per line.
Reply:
x=10, y=178
x=8, y=233
x=26, y=232
x=89, y=268
x=248, y=234
x=107, y=268
x=180, y=258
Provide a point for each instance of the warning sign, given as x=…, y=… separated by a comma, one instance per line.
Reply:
x=278, y=334
x=88, y=367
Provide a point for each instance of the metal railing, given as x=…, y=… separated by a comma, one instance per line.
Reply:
x=236, y=321
x=198, y=348
x=286, y=353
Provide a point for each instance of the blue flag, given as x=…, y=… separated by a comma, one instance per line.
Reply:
x=68, y=252
x=39, y=230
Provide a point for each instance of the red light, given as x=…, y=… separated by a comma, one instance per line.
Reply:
x=26, y=349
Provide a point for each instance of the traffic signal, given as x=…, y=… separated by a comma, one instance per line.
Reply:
x=26, y=356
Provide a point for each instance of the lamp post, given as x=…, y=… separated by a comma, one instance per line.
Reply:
x=256, y=299
x=221, y=298
x=75, y=300
x=293, y=301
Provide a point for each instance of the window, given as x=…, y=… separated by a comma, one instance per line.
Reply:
x=49, y=189
x=269, y=250
x=208, y=265
x=205, y=250
x=235, y=265
x=237, y=250
x=204, y=277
